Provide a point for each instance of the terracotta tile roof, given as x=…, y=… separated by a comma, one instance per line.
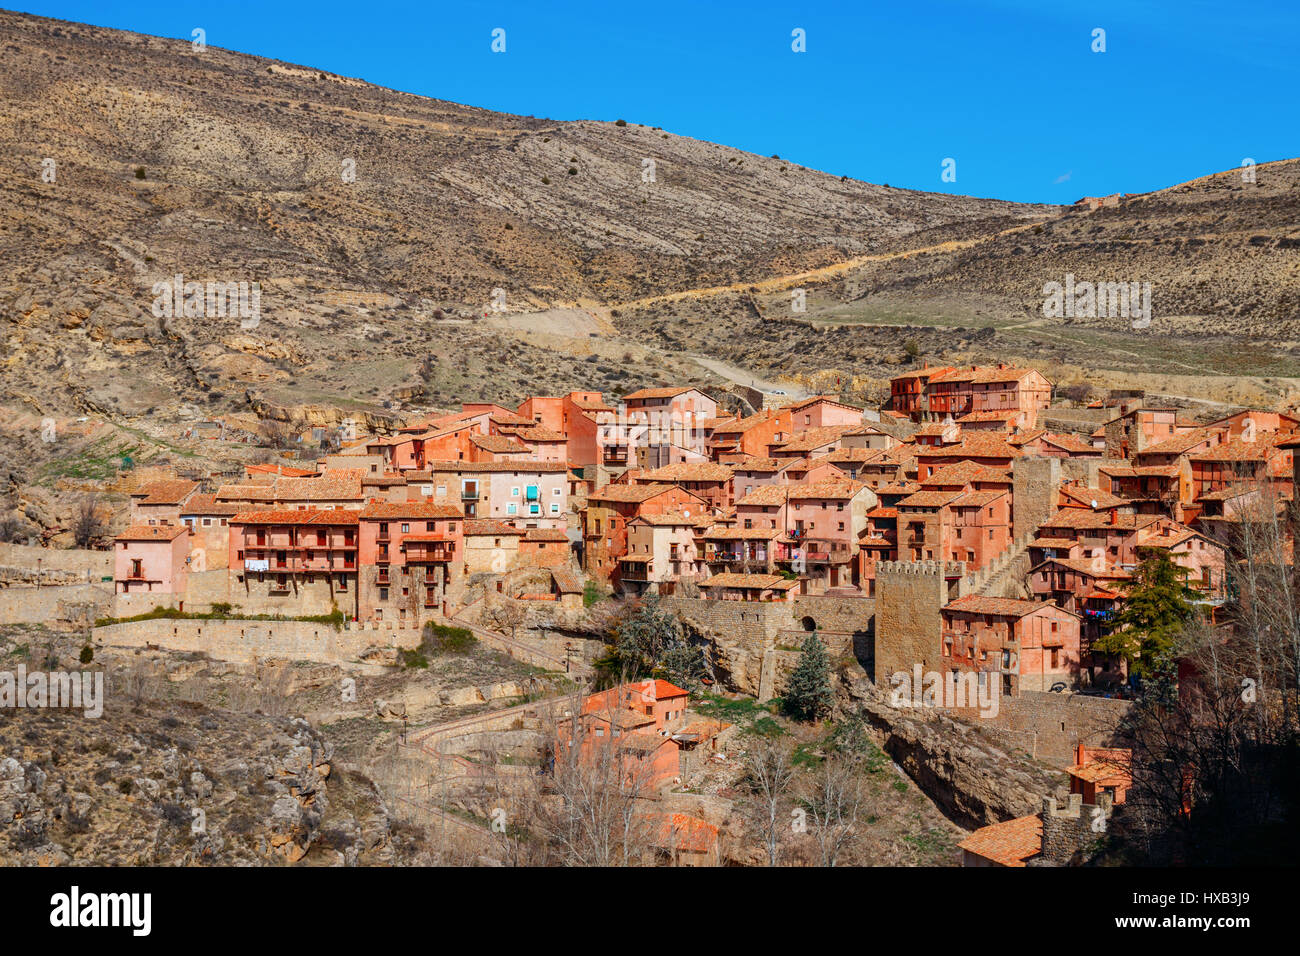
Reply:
x=1086, y=567
x=566, y=582
x=965, y=472
x=658, y=393
x=538, y=433
x=688, y=471
x=987, y=375
x=978, y=499
x=820, y=399
x=324, y=516
x=924, y=372
x=1087, y=496
x=1069, y=442
x=469, y=467
x=762, y=464
x=1083, y=518
x=277, y=469
x=545, y=534
x=720, y=533
x=814, y=438
x=761, y=581
x=409, y=509
x=1145, y=471
x=208, y=505
x=167, y=492
x=511, y=418
x=1238, y=450
x=972, y=445
x=153, y=532
x=998, y=607
x=630, y=493
x=482, y=527
x=766, y=495
x=999, y=415
x=738, y=426
x=1053, y=543
x=1180, y=444
x=499, y=444
x=845, y=455
x=668, y=519
x=1010, y=843
x=930, y=499
x=832, y=488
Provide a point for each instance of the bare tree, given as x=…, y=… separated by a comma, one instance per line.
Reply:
x=769, y=778
x=87, y=525
x=833, y=798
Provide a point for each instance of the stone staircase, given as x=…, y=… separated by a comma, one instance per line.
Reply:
x=1004, y=575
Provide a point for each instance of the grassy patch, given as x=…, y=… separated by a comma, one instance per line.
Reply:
x=441, y=639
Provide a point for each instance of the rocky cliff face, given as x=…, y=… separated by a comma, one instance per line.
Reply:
x=974, y=782
x=177, y=784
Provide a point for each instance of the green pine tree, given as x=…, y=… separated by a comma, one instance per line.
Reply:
x=1156, y=606
x=809, y=695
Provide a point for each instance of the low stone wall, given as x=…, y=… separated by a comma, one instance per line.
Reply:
x=1048, y=726
x=253, y=641
x=77, y=560
x=70, y=604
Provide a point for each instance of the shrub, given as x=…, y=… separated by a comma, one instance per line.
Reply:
x=621, y=122
x=139, y=172
x=87, y=654
x=441, y=639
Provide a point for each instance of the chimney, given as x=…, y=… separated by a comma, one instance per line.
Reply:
x=1114, y=516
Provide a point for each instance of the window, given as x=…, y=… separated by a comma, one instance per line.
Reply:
x=512, y=508
x=514, y=492
x=405, y=527
x=555, y=508
x=556, y=492
x=383, y=594
x=442, y=489
x=207, y=522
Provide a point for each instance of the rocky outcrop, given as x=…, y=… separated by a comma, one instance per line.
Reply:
x=974, y=782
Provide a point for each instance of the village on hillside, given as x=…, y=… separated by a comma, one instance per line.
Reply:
x=971, y=552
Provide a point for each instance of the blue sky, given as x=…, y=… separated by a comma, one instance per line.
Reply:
x=1011, y=90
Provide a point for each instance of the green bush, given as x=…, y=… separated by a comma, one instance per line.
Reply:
x=441, y=639
x=87, y=654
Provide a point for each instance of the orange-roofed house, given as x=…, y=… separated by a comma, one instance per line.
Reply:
x=609, y=510
x=152, y=559
x=160, y=502
x=662, y=550
x=411, y=556
x=1011, y=843
x=576, y=416
x=732, y=586
x=295, y=562
x=708, y=480
x=685, y=840
x=907, y=392
x=1027, y=645
x=999, y=388
x=1099, y=770
x=627, y=724
x=544, y=548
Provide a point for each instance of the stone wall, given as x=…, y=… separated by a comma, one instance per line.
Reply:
x=740, y=639
x=1047, y=726
x=252, y=641
x=83, y=561
x=61, y=604
x=909, y=596
x=753, y=646
x=1035, y=492
x=1072, y=834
